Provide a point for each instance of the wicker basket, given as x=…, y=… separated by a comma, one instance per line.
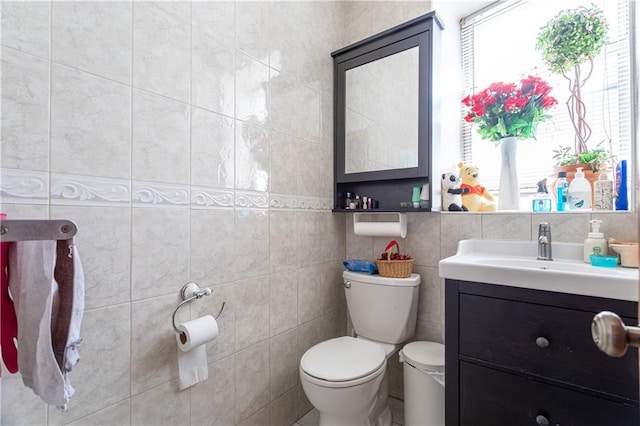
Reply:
x=394, y=268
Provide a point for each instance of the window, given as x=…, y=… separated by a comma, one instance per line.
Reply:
x=498, y=44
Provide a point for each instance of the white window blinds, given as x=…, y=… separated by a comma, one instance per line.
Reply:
x=498, y=44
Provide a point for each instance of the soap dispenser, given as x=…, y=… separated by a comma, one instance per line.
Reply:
x=595, y=242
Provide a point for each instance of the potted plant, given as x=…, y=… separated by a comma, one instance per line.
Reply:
x=569, y=42
x=504, y=113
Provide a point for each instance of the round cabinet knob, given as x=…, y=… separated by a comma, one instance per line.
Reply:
x=612, y=336
x=347, y=284
x=542, y=420
x=542, y=342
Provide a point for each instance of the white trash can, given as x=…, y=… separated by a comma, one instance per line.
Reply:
x=423, y=372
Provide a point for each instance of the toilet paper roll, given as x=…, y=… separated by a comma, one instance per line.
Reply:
x=196, y=332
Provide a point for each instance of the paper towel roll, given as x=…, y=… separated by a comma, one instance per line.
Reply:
x=378, y=229
x=196, y=332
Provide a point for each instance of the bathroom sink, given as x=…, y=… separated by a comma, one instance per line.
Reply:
x=514, y=263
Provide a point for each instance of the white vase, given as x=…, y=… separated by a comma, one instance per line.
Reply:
x=509, y=190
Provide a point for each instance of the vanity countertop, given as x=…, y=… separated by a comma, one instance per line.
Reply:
x=514, y=263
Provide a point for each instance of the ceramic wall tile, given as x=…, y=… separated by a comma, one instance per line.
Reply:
x=252, y=89
x=213, y=400
x=153, y=343
x=455, y=227
x=90, y=124
x=385, y=15
x=283, y=179
x=284, y=409
x=212, y=73
x=252, y=157
x=212, y=246
x=283, y=302
x=160, y=52
x=309, y=114
x=423, y=238
x=104, y=244
x=252, y=29
x=164, y=405
x=94, y=37
x=332, y=241
x=357, y=21
x=153, y=194
x=284, y=363
x=282, y=47
x=309, y=334
x=566, y=228
x=621, y=226
x=333, y=296
x=78, y=190
x=160, y=139
x=282, y=241
x=308, y=173
x=216, y=19
x=20, y=406
x=285, y=109
x=308, y=238
x=26, y=26
x=179, y=9
x=252, y=380
x=252, y=243
x=506, y=226
x=159, y=252
x=25, y=111
x=429, y=296
x=413, y=9
x=251, y=311
x=309, y=293
x=103, y=377
x=117, y=414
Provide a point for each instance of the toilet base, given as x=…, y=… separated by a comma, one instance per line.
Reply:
x=384, y=419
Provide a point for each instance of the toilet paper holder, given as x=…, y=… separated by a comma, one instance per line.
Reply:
x=189, y=292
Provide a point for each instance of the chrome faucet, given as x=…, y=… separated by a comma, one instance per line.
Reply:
x=544, y=241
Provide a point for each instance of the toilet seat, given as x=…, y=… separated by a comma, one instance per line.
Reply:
x=343, y=361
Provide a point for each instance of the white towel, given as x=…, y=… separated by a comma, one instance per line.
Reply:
x=47, y=284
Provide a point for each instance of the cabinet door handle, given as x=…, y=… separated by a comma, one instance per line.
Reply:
x=542, y=342
x=542, y=420
x=612, y=336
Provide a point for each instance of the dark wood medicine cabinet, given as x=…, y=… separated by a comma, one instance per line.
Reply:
x=386, y=106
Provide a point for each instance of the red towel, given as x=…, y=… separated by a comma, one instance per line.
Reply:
x=8, y=320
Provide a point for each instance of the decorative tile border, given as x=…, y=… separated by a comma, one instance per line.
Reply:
x=281, y=201
x=206, y=198
x=314, y=203
x=154, y=194
x=258, y=200
x=89, y=190
x=24, y=187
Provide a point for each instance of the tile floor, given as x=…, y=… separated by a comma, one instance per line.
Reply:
x=397, y=413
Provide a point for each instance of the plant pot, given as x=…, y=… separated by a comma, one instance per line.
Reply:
x=571, y=170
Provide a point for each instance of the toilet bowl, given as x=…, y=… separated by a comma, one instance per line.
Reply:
x=345, y=379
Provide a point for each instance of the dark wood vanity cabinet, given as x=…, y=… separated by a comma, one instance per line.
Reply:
x=517, y=356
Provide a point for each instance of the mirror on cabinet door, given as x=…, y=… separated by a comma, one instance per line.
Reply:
x=386, y=137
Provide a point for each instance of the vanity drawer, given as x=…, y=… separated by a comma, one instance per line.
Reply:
x=513, y=334
x=494, y=398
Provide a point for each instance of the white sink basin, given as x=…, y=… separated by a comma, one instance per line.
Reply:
x=514, y=263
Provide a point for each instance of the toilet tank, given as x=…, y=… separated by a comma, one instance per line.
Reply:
x=382, y=309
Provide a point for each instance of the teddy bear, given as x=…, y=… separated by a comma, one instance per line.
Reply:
x=478, y=199
x=452, y=193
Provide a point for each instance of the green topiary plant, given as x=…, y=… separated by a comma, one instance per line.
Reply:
x=571, y=39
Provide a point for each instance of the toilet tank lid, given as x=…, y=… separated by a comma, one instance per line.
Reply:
x=343, y=359
x=412, y=281
x=426, y=356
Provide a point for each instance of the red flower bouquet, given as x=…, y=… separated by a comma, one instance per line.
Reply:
x=510, y=109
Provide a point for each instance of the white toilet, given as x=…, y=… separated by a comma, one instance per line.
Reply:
x=345, y=378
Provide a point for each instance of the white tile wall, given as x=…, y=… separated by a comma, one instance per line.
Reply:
x=150, y=124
